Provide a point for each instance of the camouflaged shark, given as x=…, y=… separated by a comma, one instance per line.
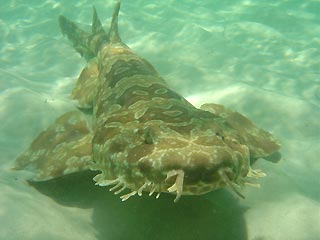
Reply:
x=143, y=136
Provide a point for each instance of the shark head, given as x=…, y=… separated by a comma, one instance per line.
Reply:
x=170, y=148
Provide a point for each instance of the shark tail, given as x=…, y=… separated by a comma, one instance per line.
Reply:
x=89, y=44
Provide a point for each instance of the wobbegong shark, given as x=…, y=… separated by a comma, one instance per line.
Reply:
x=143, y=136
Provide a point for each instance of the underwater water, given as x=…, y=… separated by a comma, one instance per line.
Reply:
x=260, y=58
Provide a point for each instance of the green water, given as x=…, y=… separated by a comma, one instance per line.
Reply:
x=260, y=58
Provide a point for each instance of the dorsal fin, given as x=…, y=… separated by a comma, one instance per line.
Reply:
x=98, y=35
x=96, y=23
x=113, y=34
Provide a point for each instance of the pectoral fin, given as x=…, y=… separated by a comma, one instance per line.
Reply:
x=261, y=143
x=64, y=148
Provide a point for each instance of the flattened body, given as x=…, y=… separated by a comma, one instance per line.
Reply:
x=146, y=137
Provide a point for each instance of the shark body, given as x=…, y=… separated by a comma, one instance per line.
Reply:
x=143, y=136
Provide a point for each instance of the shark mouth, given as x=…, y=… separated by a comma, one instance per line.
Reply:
x=177, y=187
x=120, y=185
x=234, y=185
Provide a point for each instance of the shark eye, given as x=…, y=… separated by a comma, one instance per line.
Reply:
x=219, y=135
x=149, y=136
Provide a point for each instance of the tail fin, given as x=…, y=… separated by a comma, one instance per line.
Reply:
x=89, y=44
x=78, y=37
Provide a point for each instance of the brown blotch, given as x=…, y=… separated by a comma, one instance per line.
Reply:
x=194, y=175
x=172, y=160
x=117, y=146
x=142, y=150
x=169, y=143
x=182, y=129
x=209, y=141
x=200, y=159
x=129, y=97
x=127, y=68
x=156, y=112
x=105, y=133
x=145, y=167
x=160, y=90
x=69, y=132
x=120, y=118
x=64, y=143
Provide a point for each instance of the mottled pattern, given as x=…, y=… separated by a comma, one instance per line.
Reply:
x=144, y=136
x=62, y=149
